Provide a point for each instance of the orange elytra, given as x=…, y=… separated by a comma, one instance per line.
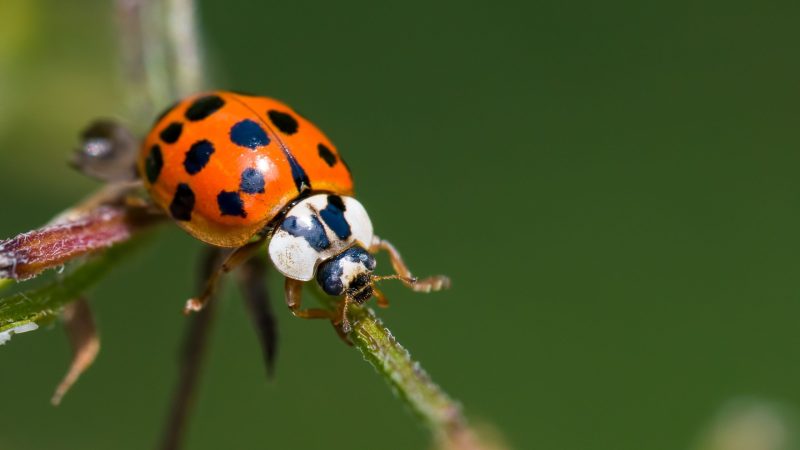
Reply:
x=224, y=164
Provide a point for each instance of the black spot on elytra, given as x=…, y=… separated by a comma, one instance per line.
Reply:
x=248, y=133
x=197, y=157
x=326, y=154
x=314, y=233
x=252, y=182
x=153, y=164
x=299, y=175
x=333, y=215
x=231, y=204
x=301, y=181
x=284, y=121
x=204, y=107
x=171, y=133
x=182, y=203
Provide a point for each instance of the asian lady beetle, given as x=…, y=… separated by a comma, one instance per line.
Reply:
x=237, y=170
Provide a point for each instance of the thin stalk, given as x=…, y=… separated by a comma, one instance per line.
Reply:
x=186, y=48
x=409, y=380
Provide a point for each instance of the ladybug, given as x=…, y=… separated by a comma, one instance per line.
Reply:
x=242, y=171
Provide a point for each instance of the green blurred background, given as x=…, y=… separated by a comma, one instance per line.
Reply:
x=612, y=187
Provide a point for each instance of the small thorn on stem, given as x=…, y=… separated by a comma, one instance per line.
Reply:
x=85, y=343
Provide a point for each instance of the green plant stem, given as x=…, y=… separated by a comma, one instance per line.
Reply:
x=186, y=48
x=407, y=377
x=43, y=304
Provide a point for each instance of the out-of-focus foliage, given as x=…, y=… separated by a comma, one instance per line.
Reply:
x=16, y=35
x=752, y=424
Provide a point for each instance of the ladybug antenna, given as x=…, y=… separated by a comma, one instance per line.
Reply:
x=406, y=280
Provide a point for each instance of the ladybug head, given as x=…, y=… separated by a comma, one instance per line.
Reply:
x=348, y=273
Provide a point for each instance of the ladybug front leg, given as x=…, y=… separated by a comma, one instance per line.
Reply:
x=434, y=283
x=294, y=291
x=84, y=341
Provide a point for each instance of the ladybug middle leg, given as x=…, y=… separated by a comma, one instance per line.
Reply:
x=233, y=260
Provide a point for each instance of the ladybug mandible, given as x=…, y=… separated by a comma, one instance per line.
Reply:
x=238, y=170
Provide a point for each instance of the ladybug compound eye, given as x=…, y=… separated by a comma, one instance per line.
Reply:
x=350, y=273
x=107, y=152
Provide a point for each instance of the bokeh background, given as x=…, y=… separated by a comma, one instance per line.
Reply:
x=612, y=187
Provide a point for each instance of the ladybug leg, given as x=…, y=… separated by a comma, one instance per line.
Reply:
x=382, y=301
x=294, y=292
x=294, y=288
x=252, y=284
x=85, y=343
x=234, y=259
x=434, y=283
x=190, y=360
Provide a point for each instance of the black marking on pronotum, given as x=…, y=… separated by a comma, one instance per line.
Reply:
x=248, y=133
x=326, y=154
x=171, y=133
x=197, y=157
x=153, y=164
x=337, y=202
x=182, y=203
x=231, y=204
x=313, y=233
x=252, y=182
x=204, y=107
x=284, y=121
x=333, y=215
